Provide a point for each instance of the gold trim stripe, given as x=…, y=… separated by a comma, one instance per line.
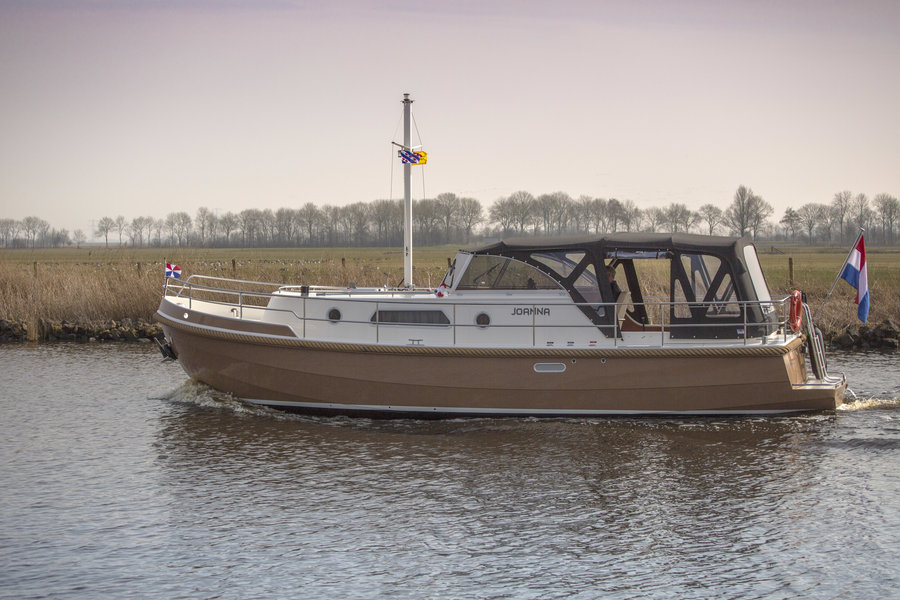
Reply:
x=682, y=352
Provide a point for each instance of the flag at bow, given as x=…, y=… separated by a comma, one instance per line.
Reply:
x=855, y=274
x=173, y=271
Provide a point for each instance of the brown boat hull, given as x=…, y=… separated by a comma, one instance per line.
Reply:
x=315, y=377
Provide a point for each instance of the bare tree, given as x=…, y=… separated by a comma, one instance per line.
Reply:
x=503, y=213
x=630, y=215
x=120, y=224
x=53, y=238
x=861, y=214
x=204, y=216
x=137, y=228
x=32, y=226
x=132, y=233
x=248, y=223
x=266, y=231
x=561, y=211
x=738, y=213
x=840, y=204
x=179, y=226
x=888, y=209
x=614, y=213
x=588, y=215
x=470, y=214
x=104, y=226
x=544, y=209
x=713, y=216
x=228, y=223
x=157, y=227
x=759, y=221
x=329, y=224
x=790, y=221
x=385, y=215
x=447, y=207
x=9, y=229
x=523, y=205
x=46, y=235
x=679, y=217
x=79, y=237
x=748, y=212
x=310, y=219
x=285, y=221
x=426, y=220
x=810, y=216
x=358, y=216
x=654, y=218
x=211, y=226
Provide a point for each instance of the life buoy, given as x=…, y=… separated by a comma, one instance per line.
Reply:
x=796, y=310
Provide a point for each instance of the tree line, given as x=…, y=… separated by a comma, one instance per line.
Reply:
x=448, y=218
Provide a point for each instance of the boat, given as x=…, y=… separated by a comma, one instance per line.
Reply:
x=588, y=325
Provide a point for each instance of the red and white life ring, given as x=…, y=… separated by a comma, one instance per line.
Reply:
x=796, y=315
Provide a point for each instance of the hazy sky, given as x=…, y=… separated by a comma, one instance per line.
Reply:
x=147, y=107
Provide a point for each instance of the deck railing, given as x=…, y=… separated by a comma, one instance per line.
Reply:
x=247, y=299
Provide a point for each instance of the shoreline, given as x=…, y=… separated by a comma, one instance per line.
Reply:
x=884, y=336
x=49, y=330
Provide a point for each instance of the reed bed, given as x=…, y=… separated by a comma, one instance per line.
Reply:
x=90, y=285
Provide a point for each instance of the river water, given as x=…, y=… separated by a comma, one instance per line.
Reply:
x=122, y=479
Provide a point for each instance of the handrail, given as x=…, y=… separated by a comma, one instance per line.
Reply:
x=816, y=344
x=241, y=299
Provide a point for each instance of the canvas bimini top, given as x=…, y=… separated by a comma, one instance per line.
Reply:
x=716, y=288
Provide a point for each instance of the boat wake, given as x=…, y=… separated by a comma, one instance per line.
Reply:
x=870, y=404
x=199, y=394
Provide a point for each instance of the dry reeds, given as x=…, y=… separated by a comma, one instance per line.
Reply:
x=98, y=285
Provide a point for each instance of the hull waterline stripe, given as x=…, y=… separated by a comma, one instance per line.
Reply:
x=503, y=411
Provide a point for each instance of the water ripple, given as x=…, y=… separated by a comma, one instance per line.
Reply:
x=129, y=481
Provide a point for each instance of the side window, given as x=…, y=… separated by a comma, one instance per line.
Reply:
x=757, y=277
x=723, y=300
x=709, y=285
x=561, y=263
x=520, y=276
x=587, y=285
x=486, y=272
x=564, y=264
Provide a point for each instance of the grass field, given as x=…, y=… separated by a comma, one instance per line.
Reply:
x=97, y=284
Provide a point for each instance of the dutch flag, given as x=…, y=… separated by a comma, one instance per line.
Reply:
x=173, y=271
x=855, y=274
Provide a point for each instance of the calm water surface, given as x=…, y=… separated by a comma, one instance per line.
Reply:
x=122, y=479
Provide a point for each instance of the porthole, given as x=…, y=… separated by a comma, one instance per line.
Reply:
x=482, y=320
x=334, y=315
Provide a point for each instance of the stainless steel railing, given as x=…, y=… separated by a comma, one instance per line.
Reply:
x=239, y=295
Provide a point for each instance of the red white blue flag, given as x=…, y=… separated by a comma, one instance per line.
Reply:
x=173, y=271
x=855, y=274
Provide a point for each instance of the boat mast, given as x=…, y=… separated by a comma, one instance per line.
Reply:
x=407, y=200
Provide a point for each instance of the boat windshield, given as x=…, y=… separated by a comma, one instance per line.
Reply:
x=490, y=272
x=757, y=277
x=564, y=264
